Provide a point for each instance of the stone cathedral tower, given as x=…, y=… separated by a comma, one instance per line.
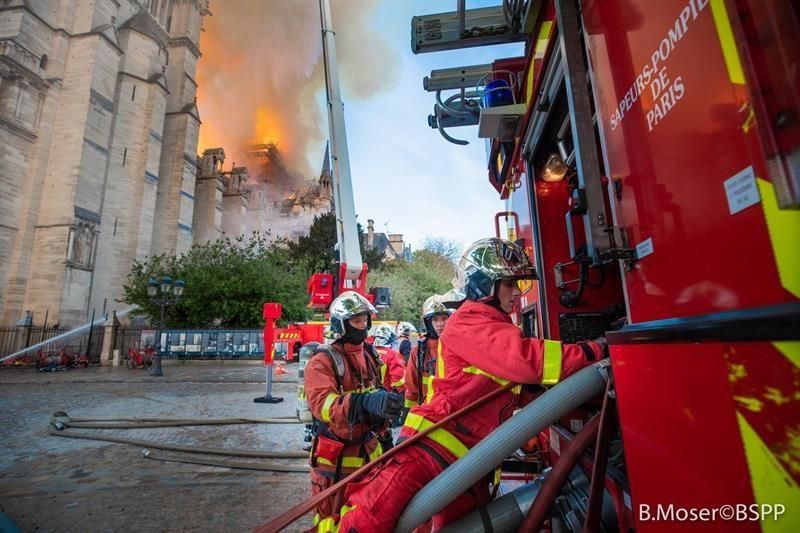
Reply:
x=98, y=142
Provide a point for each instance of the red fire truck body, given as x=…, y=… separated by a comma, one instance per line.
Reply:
x=688, y=241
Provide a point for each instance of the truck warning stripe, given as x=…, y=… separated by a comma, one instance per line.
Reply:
x=541, y=46
x=771, y=483
x=726, y=40
x=783, y=226
x=790, y=349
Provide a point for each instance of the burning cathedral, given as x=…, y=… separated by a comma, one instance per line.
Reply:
x=262, y=197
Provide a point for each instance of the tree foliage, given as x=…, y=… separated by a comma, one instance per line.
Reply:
x=445, y=247
x=227, y=283
x=411, y=283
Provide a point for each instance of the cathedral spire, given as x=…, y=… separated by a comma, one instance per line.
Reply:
x=326, y=162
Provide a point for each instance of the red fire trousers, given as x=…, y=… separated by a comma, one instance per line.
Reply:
x=376, y=501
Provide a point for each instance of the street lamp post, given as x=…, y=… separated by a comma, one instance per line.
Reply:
x=163, y=293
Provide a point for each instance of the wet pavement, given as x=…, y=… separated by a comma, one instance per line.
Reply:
x=52, y=483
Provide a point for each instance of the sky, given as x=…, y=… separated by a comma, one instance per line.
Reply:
x=261, y=77
x=404, y=172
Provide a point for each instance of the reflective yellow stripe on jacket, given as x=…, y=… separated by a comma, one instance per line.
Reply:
x=500, y=381
x=439, y=372
x=332, y=397
x=326, y=406
x=329, y=525
x=551, y=366
x=353, y=461
x=440, y=436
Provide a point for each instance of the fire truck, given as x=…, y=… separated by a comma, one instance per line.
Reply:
x=648, y=153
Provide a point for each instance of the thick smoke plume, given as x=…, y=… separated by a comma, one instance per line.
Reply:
x=261, y=74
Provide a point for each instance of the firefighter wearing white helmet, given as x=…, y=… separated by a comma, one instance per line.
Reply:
x=483, y=351
x=422, y=363
x=346, y=397
x=404, y=330
x=394, y=365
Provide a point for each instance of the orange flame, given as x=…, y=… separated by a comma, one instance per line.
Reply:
x=261, y=72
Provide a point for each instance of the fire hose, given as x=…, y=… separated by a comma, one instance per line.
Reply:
x=505, y=514
x=60, y=421
x=502, y=442
x=535, y=500
x=558, y=475
x=280, y=522
x=63, y=419
x=268, y=466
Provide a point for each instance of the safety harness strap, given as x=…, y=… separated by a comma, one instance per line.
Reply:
x=337, y=360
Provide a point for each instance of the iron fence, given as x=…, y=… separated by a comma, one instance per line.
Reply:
x=88, y=342
x=195, y=343
x=239, y=344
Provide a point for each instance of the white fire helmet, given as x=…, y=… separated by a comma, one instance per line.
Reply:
x=384, y=335
x=346, y=306
x=405, y=329
x=435, y=305
x=488, y=261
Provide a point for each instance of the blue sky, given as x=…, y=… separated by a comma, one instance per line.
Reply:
x=404, y=172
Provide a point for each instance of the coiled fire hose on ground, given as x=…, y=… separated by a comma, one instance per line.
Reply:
x=60, y=421
x=280, y=522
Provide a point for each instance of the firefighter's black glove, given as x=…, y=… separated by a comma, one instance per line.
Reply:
x=376, y=407
x=386, y=441
x=594, y=350
x=400, y=419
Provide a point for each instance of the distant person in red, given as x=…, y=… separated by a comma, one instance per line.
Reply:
x=421, y=365
x=482, y=350
x=393, y=369
x=350, y=406
x=404, y=330
x=384, y=337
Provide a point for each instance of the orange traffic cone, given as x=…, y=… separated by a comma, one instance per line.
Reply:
x=280, y=370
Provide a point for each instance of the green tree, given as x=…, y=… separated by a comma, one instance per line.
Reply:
x=411, y=283
x=227, y=282
x=316, y=249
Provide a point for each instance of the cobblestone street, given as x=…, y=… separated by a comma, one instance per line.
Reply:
x=57, y=484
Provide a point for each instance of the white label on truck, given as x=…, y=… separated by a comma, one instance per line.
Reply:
x=555, y=445
x=644, y=248
x=741, y=190
x=575, y=425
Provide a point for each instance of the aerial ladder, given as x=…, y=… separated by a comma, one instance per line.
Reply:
x=351, y=271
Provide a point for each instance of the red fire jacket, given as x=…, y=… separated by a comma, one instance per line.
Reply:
x=482, y=350
x=331, y=405
x=413, y=385
x=393, y=369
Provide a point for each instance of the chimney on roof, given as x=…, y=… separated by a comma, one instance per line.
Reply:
x=370, y=233
x=396, y=242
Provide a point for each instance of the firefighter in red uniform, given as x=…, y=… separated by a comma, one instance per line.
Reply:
x=346, y=398
x=404, y=330
x=395, y=366
x=481, y=350
x=393, y=369
x=422, y=362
